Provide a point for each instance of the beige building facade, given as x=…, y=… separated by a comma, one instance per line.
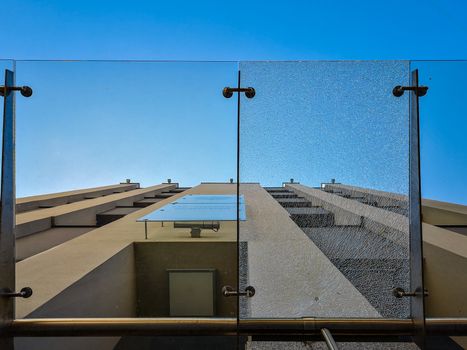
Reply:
x=308, y=252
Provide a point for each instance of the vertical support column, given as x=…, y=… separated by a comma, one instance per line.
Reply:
x=416, y=242
x=7, y=209
x=238, y=203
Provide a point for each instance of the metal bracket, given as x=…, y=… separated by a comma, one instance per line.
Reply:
x=26, y=91
x=228, y=291
x=401, y=293
x=330, y=342
x=398, y=91
x=25, y=292
x=197, y=227
x=249, y=92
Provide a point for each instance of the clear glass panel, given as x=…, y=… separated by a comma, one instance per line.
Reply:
x=6, y=64
x=91, y=123
x=325, y=145
x=88, y=128
x=443, y=124
x=442, y=130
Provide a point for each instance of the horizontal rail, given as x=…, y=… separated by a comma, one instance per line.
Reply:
x=228, y=326
x=121, y=326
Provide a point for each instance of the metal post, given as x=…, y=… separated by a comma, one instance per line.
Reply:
x=415, y=226
x=7, y=209
x=146, y=229
x=417, y=291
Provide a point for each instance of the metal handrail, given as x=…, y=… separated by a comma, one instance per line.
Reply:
x=330, y=342
x=229, y=326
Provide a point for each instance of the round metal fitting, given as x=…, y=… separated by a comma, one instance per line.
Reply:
x=227, y=92
x=25, y=292
x=398, y=91
x=250, y=291
x=250, y=93
x=398, y=292
x=421, y=91
x=26, y=91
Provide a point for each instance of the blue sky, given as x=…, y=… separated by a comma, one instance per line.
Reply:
x=213, y=30
x=91, y=124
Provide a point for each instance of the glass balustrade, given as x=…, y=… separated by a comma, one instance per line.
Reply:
x=236, y=192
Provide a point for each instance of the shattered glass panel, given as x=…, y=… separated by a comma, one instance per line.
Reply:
x=324, y=170
x=320, y=345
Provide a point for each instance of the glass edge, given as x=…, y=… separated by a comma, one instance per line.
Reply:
x=231, y=61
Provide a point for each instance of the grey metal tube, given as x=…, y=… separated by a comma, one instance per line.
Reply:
x=446, y=326
x=329, y=339
x=339, y=326
x=122, y=326
x=228, y=326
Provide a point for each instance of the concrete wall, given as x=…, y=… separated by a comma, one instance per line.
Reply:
x=61, y=198
x=446, y=280
x=34, y=244
x=351, y=212
x=381, y=197
x=445, y=273
x=436, y=216
x=80, y=213
x=107, y=291
x=154, y=258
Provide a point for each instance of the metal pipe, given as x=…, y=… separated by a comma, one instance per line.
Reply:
x=446, y=326
x=329, y=339
x=228, y=326
x=122, y=326
x=339, y=326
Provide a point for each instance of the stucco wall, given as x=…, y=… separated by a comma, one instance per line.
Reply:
x=154, y=258
x=107, y=291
